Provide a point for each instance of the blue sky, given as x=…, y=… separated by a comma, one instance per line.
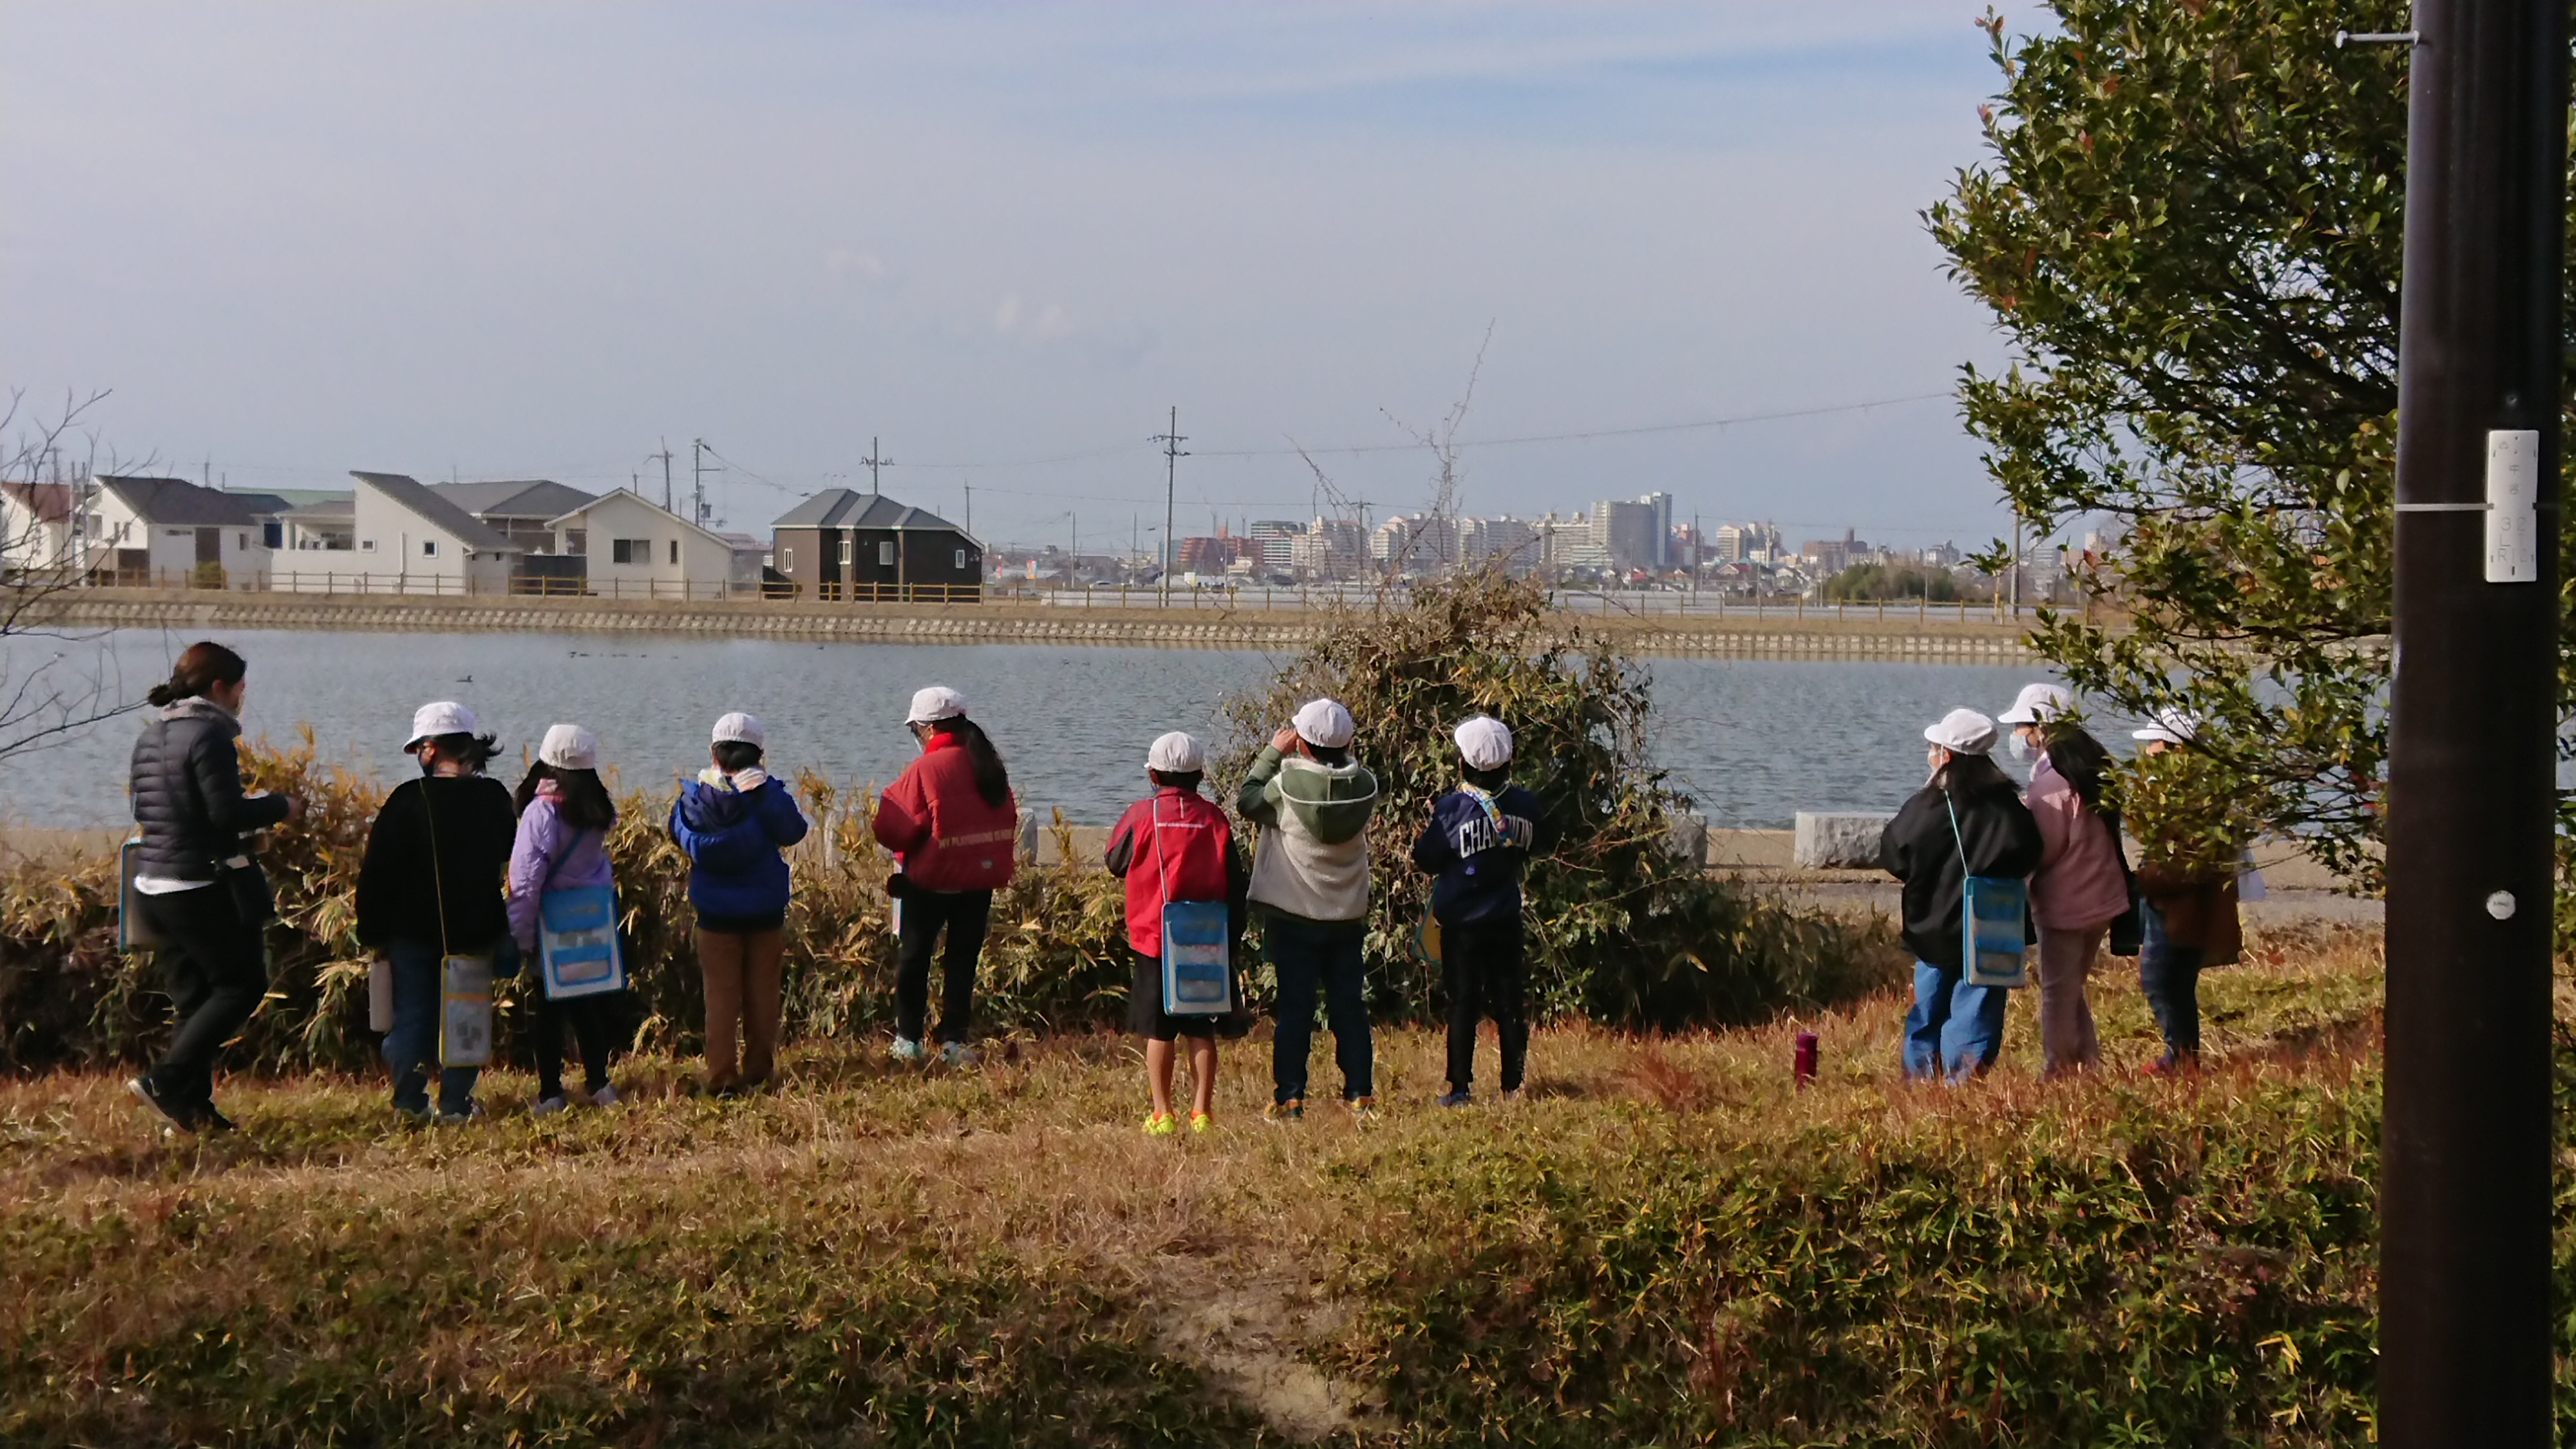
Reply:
x=534, y=240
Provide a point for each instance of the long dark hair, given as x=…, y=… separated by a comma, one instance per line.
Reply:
x=1971, y=775
x=992, y=781
x=586, y=804
x=205, y=664
x=2079, y=757
x=474, y=751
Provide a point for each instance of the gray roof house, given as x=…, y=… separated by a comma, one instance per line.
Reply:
x=842, y=544
x=521, y=509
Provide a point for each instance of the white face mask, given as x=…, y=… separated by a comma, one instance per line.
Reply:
x=2021, y=749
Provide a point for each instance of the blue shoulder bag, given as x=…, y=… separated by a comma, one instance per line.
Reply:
x=1992, y=911
x=577, y=938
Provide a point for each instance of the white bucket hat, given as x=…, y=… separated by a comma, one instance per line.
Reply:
x=1176, y=754
x=1484, y=742
x=1963, y=732
x=570, y=747
x=938, y=702
x=442, y=717
x=2038, y=704
x=1324, y=722
x=2171, y=726
x=738, y=728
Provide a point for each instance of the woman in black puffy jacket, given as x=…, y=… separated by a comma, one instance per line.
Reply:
x=193, y=815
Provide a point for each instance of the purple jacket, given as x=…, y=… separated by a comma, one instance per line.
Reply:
x=544, y=839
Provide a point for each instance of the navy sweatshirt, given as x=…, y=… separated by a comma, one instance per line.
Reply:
x=1479, y=868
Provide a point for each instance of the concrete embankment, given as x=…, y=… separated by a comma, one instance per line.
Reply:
x=1198, y=624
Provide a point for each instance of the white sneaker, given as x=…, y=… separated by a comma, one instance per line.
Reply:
x=906, y=1049
x=547, y=1107
x=605, y=1097
x=958, y=1054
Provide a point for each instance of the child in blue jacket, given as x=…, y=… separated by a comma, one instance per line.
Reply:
x=1479, y=838
x=732, y=822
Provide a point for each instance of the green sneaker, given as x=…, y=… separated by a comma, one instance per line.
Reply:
x=1160, y=1124
x=906, y=1049
x=1292, y=1110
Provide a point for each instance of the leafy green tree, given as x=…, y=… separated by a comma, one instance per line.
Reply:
x=1878, y=581
x=2188, y=226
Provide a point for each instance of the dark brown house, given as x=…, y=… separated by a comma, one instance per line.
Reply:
x=841, y=544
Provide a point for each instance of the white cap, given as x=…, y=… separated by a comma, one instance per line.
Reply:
x=1963, y=732
x=445, y=717
x=1324, y=722
x=569, y=747
x=1176, y=754
x=2173, y=726
x=742, y=729
x=1485, y=742
x=2037, y=704
x=938, y=702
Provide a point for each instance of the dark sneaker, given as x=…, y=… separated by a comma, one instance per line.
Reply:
x=1457, y=1099
x=212, y=1122
x=1292, y=1110
x=150, y=1096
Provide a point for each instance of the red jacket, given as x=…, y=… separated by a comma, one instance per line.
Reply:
x=1175, y=846
x=941, y=832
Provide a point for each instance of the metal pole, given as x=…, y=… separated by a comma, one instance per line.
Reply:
x=2464, y=1331
x=1172, y=456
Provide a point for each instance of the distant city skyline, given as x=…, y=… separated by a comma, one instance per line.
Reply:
x=999, y=242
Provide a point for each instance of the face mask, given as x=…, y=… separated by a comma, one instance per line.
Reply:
x=2021, y=746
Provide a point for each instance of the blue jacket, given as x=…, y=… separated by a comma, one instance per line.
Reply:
x=732, y=840
x=1479, y=867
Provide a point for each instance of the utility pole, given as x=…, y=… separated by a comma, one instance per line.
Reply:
x=665, y=456
x=873, y=463
x=698, y=451
x=2465, y=1137
x=1172, y=456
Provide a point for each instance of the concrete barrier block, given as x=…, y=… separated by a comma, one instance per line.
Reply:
x=1687, y=837
x=1827, y=841
x=1027, y=847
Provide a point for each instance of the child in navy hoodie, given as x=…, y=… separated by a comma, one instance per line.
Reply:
x=732, y=822
x=1480, y=836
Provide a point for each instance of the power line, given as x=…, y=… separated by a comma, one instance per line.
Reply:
x=1587, y=435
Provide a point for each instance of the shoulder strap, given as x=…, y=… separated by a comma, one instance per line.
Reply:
x=1956, y=838
x=556, y=868
x=437, y=877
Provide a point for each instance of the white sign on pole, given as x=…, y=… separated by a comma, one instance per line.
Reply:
x=2513, y=506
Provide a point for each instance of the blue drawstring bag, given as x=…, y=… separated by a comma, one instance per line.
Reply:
x=1992, y=912
x=1198, y=972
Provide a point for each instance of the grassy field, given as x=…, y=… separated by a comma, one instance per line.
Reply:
x=1665, y=1244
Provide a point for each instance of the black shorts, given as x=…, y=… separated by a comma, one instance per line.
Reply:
x=1145, y=1015
x=742, y=925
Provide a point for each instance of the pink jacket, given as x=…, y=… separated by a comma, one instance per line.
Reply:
x=2079, y=885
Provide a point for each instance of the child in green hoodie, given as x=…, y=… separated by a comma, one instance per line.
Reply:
x=1310, y=882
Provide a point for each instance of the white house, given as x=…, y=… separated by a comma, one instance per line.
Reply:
x=165, y=531
x=406, y=540
x=41, y=531
x=635, y=549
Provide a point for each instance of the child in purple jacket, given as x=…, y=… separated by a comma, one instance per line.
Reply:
x=564, y=819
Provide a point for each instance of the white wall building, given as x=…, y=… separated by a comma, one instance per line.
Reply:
x=42, y=530
x=407, y=540
x=165, y=531
x=635, y=549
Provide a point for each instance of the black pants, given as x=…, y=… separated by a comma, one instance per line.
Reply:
x=215, y=969
x=966, y=915
x=1482, y=963
x=594, y=1025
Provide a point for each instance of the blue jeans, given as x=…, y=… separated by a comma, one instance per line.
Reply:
x=411, y=1048
x=1955, y=1029
x=1305, y=953
x=2169, y=975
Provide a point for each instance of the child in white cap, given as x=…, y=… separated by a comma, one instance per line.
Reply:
x=732, y=822
x=429, y=888
x=1967, y=820
x=1174, y=846
x=954, y=828
x=1479, y=838
x=2082, y=885
x=565, y=814
x=1310, y=879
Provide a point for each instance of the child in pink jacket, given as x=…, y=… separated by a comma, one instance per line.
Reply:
x=2082, y=885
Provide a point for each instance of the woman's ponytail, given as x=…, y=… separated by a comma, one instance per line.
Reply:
x=992, y=781
x=204, y=665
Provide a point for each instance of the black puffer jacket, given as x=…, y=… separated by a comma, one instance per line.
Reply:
x=401, y=888
x=1996, y=836
x=186, y=789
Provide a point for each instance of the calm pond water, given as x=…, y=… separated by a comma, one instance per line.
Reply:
x=1754, y=741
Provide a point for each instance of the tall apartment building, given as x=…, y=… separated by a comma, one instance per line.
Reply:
x=1273, y=537
x=1329, y=549
x=1636, y=533
x=1416, y=543
x=1511, y=542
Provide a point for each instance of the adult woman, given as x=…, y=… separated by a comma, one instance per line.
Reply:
x=732, y=821
x=954, y=830
x=2082, y=884
x=564, y=819
x=2186, y=885
x=192, y=813
x=429, y=887
x=1967, y=820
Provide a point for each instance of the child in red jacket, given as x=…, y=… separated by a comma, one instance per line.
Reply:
x=1173, y=846
x=954, y=830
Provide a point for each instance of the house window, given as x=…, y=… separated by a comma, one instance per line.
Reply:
x=272, y=534
x=845, y=553
x=630, y=550
x=576, y=541
x=429, y=548
x=961, y=560
x=675, y=550
x=241, y=540
x=885, y=552
x=367, y=545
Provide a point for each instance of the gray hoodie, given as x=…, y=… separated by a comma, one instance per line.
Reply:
x=1312, y=860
